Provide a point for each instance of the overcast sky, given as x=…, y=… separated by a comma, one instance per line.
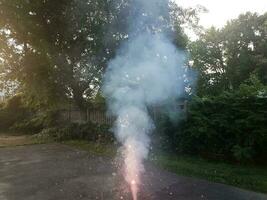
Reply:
x=222, y=10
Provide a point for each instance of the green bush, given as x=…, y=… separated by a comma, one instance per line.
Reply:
x=16, y=116
x=37, y=121
x=74, y=131
x=227, y=126
x=242, y=154
x=165, y=135
x=11, y=112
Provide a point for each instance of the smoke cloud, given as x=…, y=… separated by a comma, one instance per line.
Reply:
x=147, y=70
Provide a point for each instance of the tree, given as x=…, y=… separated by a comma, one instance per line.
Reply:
x=53, y=50
x=227, y=57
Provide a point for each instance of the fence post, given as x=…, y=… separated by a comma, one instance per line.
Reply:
x=69, y=111
x=87, y=115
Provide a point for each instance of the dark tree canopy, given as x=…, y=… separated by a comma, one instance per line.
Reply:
x=57, y=49
x=227, y=57
x=62, y=46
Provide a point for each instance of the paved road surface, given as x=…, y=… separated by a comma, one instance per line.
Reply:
x=59, y=172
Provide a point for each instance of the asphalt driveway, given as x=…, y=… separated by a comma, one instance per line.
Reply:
x=60, y=172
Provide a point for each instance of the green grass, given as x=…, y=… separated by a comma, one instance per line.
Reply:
x=93, y=147
x=247, y=177
x=12, y=140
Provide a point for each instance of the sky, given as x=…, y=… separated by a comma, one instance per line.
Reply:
x=220, y=11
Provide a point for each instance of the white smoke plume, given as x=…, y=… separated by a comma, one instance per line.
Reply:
x=147, y=70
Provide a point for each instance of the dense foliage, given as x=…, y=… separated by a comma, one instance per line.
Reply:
x=227, y=126
x=231, y=126
x=54, y=52
x=226, y=57
x=73, y=131
x=11, y=112
x=227, y=119
x=15, y=116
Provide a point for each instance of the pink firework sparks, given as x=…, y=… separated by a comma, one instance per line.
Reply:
x=133, y=166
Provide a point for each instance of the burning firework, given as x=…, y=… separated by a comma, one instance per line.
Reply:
x=147, y=70
x=144, y=76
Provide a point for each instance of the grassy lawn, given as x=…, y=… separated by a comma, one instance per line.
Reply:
x=16, y=140
x=93, y=147
x=247, y=177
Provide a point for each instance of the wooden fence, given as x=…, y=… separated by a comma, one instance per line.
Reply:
x=98, y=114
x=94, y=115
